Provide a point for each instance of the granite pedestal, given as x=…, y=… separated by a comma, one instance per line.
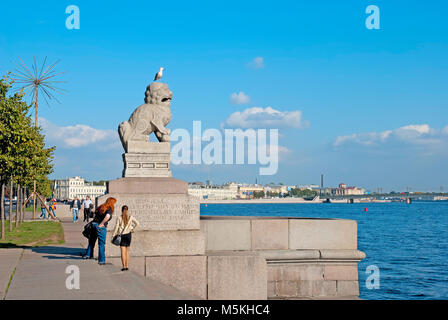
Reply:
x=147, y=159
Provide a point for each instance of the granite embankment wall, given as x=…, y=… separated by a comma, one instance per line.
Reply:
x=252, y=258
x=304, y=257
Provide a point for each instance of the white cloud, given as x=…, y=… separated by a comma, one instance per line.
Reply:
x=282, y=149
x=415, y=134
x=239, y=98
x=265, y=118
x=257, y=63
x=78, y=135
x=368, y=138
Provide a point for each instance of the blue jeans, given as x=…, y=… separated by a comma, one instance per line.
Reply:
x=44, y=213
x=75, y=214
x=100, y=233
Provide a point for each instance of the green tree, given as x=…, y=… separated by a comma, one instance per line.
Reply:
x=272, y=194
x=303, y=193
x=44, y=186
x=258, y=194
x=23, y=156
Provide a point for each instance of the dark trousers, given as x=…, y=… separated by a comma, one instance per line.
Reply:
x=86, y=214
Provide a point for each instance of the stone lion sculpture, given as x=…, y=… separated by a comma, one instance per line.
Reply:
x=153, y=116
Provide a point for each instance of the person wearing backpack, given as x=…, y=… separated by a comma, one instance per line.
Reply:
x=52, y=207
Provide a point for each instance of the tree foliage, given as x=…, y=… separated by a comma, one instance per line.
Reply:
x=272, y=194
x=23, y=155
x=259, y=194
x=303, y=193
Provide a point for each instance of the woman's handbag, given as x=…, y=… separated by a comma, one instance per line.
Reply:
x=117, y=240
x=87, y=230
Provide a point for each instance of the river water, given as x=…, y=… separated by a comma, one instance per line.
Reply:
x=407, y=242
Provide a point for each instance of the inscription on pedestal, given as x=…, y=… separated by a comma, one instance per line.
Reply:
x=146, y=165
x=159, y=212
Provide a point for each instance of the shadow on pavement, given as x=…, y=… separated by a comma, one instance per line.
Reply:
x=10, y=245
x=59, y=252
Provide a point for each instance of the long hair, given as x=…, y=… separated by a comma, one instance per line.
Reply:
x=109, y=204
x=125, y=215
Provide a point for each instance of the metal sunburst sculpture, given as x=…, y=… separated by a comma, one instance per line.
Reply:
x=38, y=79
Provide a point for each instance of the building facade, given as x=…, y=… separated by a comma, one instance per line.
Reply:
x=343, y=190
x=226, y=192
x=69, y=188
x=280, y=189
x=247, y=191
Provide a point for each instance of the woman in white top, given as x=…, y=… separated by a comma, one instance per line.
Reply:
x=124, y=226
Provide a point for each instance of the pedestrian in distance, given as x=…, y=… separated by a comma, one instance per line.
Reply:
x=43, y=207
x=75, y=206
x=124, y=227
x=103, y=214
x=52, y=207
x=86, y=204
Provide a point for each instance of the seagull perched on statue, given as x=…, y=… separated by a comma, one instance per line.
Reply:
x=159, y=74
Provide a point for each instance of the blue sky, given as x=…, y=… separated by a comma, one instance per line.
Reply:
x=372, y=103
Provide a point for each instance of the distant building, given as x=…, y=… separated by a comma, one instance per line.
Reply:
x=343, y=190
x=280, y=189
x=235, y=190
x=69, y=188
x=247, y=191
x=308, y=187
x=225, y=192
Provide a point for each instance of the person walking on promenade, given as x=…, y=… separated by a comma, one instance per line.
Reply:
x=124, y=226
x=52, y=207
x=75, y=206
x=99, y=230
x=43, y=207
x=86, y=204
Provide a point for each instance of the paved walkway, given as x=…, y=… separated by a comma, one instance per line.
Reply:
x=40, y=273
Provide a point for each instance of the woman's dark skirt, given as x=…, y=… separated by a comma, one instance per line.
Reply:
x=126, y=240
